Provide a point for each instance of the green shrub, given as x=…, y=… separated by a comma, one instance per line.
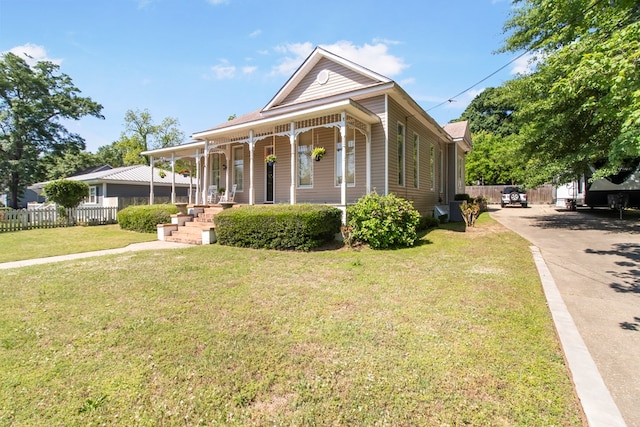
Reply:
x=144, y=218
x=427, y=222
x=283, y=227
x=383, y=221
x=66, y=192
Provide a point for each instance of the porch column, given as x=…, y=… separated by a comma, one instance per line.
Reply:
x=151, y=181
x=205, y=174
x=292, y=142
x=252, y=146
x=368, y=158
x=173, y=177
x=343, y=184
x=198, y=176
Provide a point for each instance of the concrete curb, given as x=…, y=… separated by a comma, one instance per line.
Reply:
x=130, y=248
x=597, y=403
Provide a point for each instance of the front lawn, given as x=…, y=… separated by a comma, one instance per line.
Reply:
x=452, y=332
x=41, y=243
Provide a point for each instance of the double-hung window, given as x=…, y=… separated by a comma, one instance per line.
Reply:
x=351, y=161
x=400, y=146
x=305, y=163
x=238, y=167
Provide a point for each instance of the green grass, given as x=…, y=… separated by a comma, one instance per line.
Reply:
x=48, y=242
x=452, y=332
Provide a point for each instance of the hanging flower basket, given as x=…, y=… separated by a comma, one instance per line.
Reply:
x=318, y=153
x=270, y=159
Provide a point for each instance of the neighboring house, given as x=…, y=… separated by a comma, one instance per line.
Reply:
x=376, y=137
x=108, y=185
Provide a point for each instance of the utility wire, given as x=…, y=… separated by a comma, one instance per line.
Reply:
x=477, y=83
x=595, y=3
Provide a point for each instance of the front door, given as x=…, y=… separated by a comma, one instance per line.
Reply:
x=269, y=167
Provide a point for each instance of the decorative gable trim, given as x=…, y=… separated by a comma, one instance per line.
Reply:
x=308, y=66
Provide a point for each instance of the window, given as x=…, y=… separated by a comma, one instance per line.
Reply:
x=305, y=163
x=432, y=166
x=93, y=194
x=215, y=170
x=400, y=137
x=238, y=167
x=460, y=172
x=441, y=175
x=351, y=160
x=416, y=152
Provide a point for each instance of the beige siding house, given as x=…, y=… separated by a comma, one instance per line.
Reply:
x=376, y=137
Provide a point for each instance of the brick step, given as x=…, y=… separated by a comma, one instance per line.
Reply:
x=183, y=239
x=200, y=225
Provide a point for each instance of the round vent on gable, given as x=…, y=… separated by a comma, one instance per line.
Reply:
x=323, y=77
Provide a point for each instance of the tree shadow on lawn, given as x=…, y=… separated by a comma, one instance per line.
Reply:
x=591, y=219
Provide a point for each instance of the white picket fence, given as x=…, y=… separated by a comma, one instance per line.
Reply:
x=50, y=217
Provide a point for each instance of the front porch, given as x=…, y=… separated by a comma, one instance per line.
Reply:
x=234, y=154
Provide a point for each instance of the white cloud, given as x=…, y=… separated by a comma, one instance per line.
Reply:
x=373, y=56
x=249, y=69
x=408, y=81
x=33, y=54
x=255, y=33
x=296, y=53
x=217, y=2
x=224, y=70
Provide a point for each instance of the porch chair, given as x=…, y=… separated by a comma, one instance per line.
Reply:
x=229, y=195
x=212, y=194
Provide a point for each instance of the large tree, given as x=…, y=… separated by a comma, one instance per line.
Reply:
x=141, y=134
x=33, y=100
x=581, y=105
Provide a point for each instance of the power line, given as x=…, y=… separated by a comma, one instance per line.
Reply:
x=451, y=99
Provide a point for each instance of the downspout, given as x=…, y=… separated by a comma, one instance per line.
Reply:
x=151, y=181
x=368, y=158
x=251, y=150
x=292, y=142
x=386, y=145
x=343, y=184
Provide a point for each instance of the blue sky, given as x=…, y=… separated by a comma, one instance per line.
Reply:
x=201, y=61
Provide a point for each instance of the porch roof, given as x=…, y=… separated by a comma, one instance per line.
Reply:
x=237, y=130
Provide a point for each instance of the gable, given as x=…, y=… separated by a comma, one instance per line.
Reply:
x=327, y=78
x=324, y=74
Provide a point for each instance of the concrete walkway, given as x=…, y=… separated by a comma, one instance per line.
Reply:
x=589, y=263
x=158, y=244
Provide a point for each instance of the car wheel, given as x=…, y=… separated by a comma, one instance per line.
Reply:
x=514, y=196
x=524, y=205
x=502, y=205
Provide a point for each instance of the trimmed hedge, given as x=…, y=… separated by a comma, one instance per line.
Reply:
x=144, y=218
x=283, y=227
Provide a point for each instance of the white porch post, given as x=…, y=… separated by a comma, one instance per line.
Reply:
x=292, y=142
x=343, y=184
x=368, y=158
x=198, y=176
x=151, y=181
x=173, y=177
x=252, y=145
x=205, y=174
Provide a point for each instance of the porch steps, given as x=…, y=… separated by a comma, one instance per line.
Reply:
x=192, y=228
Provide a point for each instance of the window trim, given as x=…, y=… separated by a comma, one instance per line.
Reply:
x=432, y=166
x=416, y=160
x=309, y=160
x=338, y=159
x=234, y=150
x=401, y=144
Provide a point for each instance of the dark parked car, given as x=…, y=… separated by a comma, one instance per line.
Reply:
x=513, y=196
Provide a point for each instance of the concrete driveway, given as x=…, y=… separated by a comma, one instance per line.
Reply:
x=594, y=258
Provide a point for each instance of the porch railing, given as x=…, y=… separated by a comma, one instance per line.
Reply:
x=51, y=217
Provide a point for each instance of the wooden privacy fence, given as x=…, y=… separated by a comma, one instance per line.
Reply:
x=537, y=196
x=50, y=217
